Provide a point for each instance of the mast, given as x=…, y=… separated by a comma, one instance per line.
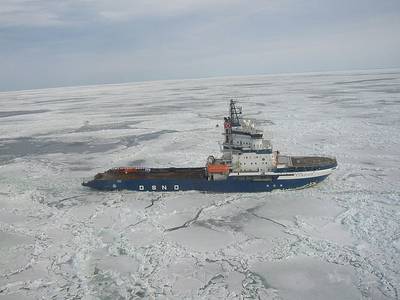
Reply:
x=235, y=113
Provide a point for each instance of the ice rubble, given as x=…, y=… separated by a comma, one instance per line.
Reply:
x=339, y=239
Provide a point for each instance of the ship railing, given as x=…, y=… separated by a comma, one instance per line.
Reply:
x=316, y=155
x=126, y=170
x=247, y=129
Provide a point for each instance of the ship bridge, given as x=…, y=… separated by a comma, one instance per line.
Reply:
x=241, y=135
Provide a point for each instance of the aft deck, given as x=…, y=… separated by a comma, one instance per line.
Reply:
x=152, y=173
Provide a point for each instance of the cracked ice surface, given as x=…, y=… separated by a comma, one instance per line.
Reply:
x=337, y=240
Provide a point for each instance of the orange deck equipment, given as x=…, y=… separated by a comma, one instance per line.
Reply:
x=217, y=168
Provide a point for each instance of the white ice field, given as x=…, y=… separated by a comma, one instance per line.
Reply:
x=337, y=240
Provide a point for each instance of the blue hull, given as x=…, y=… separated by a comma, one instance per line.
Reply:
x=222, y=186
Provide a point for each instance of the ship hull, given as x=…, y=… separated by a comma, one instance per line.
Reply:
x=230, y=185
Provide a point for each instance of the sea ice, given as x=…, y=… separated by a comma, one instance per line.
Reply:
x=337, y=240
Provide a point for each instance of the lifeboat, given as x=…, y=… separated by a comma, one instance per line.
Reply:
x=217, y=169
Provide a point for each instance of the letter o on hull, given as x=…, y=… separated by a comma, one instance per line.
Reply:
x=141, y=187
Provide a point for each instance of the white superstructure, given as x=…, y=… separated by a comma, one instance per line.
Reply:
x=247, y=153
x=244, y=145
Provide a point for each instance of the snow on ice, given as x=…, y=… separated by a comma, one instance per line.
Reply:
x=337, y=240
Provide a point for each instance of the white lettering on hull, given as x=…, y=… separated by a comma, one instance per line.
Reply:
x=156, y=188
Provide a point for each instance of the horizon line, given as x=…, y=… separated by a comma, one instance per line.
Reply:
x=200, y=78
